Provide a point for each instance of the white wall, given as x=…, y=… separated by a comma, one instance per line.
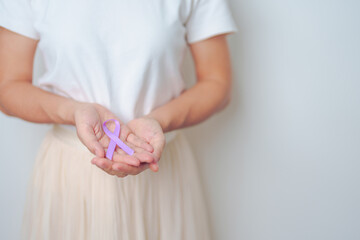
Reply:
x=282, y=161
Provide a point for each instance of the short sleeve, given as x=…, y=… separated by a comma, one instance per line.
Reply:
x=18, y=16
x=209, y=18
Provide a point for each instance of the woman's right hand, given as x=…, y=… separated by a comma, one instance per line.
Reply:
x=88, y=118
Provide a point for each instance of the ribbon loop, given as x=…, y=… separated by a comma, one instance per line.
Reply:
x=115, y=140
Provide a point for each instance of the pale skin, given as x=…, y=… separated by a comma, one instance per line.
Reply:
x=209, y=95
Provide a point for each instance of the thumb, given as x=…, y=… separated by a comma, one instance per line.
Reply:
x=88, y=138
x=154, y=167
x=158, y=148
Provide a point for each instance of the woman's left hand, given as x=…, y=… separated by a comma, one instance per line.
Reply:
x=149, y=130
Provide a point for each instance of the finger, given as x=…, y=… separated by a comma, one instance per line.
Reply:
x=139, y=154
x=120, y=174
x=158, y=148
x=121, y=156
x=104, y=164
x=144, y=157
x=154, y=167
x=138, y=142
x=129, y=169
x=124, y=132
x=88, y=138
x=107, y=168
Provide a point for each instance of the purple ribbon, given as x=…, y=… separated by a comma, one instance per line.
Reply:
x=115, y=140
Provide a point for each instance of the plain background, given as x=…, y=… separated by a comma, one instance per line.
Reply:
x=282, y=161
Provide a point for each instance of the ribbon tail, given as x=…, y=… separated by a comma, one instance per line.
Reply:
x=123, y=146
x=110, y=150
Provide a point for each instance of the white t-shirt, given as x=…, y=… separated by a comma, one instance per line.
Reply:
x=123, y=54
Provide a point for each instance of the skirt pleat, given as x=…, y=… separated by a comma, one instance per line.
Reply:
x=68, y=198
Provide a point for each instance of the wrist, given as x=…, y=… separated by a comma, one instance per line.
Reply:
x=68, y=109
x=162, y=122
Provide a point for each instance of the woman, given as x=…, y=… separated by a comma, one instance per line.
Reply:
x=114, y=60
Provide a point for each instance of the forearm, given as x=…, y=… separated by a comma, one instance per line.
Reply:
x=193, y=106
x=28, y=102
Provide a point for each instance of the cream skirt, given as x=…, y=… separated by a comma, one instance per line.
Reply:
x=69, y=198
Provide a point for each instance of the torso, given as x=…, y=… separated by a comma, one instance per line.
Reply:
x=125, y=55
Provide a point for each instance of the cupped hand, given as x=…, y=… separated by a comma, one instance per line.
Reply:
x=150, y=131
x=89, y=118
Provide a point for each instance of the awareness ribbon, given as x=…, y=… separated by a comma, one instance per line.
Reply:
x=115, y=140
